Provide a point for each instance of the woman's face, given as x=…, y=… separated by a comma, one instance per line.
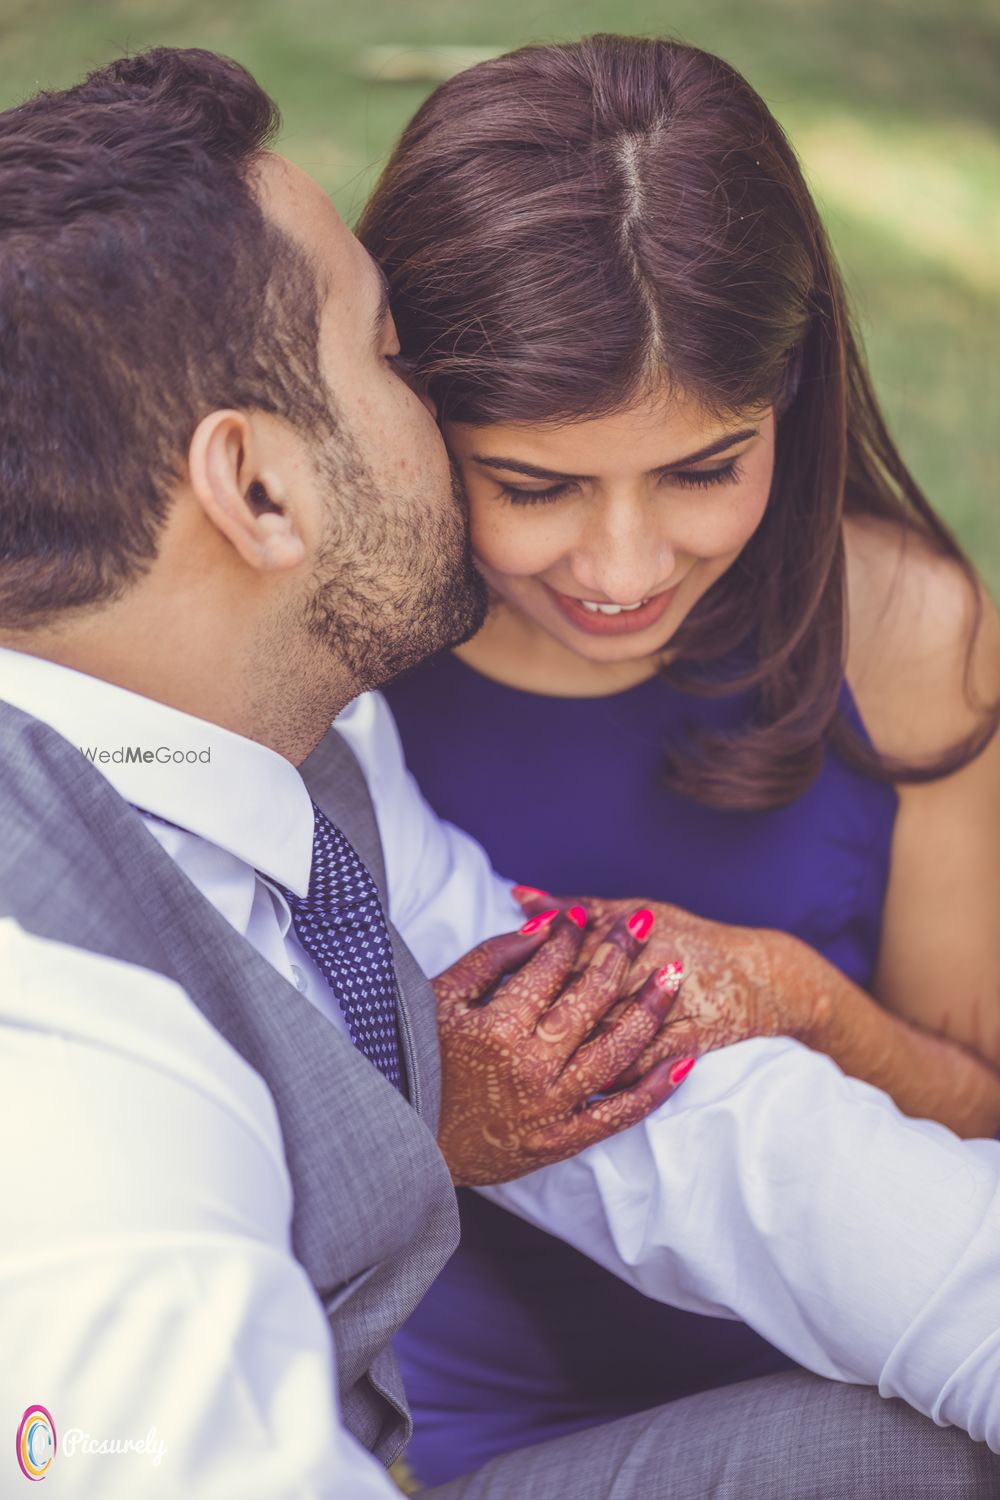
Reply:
x=606, y=533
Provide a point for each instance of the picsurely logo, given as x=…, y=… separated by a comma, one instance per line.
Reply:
x=36, y=1443
x=75, y=1440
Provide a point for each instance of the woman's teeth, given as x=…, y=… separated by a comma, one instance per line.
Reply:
x=611, y=609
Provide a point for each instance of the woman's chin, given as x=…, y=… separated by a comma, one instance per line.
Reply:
x=620, y=655
x=617, y=650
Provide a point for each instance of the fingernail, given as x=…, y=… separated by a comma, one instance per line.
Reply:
x=640, y=924
x=539, y=922
x=529, y=893
x=671, y=977
x=680, y=1070
x=578, y=914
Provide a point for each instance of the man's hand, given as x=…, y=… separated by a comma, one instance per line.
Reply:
x=525, y=1045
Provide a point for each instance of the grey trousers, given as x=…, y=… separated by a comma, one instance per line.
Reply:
x=784, y=1437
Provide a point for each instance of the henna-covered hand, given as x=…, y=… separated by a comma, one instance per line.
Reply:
x=742, y=982
x=526, y=1044
x=739, y=982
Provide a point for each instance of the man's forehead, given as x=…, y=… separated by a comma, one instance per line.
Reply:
x=300, y=207
x=294, y=199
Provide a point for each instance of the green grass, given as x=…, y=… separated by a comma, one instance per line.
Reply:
x=892, y=104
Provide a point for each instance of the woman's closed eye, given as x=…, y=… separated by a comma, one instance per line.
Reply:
x=701, y=479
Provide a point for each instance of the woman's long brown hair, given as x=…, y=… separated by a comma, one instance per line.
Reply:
x=570, y=226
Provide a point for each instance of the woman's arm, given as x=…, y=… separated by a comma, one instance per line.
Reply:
x=911, y=619
x=928, y=1076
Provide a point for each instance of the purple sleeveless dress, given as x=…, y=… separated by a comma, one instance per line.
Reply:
x=522, y=1338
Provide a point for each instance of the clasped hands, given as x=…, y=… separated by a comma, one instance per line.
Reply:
x=533, y=1035
x=581, y=1024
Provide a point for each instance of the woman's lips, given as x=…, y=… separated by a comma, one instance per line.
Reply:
x=629, y=622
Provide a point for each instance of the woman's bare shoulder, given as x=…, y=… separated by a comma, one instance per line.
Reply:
x=911, y=619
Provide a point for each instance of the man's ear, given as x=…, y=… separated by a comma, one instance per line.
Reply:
x=239, y=499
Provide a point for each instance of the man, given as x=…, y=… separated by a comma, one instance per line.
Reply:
x=223, y=516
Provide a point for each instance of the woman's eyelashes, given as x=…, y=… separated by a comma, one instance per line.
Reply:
x=691, y=479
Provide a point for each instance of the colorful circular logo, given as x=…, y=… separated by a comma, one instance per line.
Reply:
x=36, y=1442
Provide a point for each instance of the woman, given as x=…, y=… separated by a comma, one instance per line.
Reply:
x=734, y=659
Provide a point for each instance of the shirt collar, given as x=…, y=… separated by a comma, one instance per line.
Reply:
x=231, y=791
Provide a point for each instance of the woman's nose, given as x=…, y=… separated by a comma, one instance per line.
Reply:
x=620, y=571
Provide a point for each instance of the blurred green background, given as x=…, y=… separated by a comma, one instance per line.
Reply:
x=893, y=105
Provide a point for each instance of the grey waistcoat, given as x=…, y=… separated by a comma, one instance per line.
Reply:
x=375, y=1217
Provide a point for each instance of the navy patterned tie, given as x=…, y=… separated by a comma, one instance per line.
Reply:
x=342, y=927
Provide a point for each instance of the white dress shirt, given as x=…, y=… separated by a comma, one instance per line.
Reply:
x=148, y=1280
x=148, y=1292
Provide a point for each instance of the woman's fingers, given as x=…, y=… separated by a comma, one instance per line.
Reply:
x=526, y=995
x=470, y=979
x=589, y=998
x=684, y=1035
x=532, y=901
x=607, y=1117
x=623, y=1037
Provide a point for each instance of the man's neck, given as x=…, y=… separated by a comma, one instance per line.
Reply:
x=288, y=716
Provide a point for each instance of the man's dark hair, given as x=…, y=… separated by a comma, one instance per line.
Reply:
x=141, y=287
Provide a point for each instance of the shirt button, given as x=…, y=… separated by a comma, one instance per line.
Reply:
x=299, y=979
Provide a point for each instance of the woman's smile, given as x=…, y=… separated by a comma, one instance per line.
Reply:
x=604, y=618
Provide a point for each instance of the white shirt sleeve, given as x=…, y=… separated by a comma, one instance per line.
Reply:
x=148, y=1293
x=774, y=1189
x=444, y=897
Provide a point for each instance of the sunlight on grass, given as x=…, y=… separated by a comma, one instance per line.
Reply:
x=914, y=216
x=936, y=192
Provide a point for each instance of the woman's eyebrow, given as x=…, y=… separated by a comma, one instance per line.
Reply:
x=533, y=471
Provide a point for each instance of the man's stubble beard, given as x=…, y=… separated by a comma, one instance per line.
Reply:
x=394, y=582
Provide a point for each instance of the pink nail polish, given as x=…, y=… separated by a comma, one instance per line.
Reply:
x=671, y=977
x=539, y=922
x=529, y=893
x=578, y=914
x=640, y=924
x=680, y=1070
